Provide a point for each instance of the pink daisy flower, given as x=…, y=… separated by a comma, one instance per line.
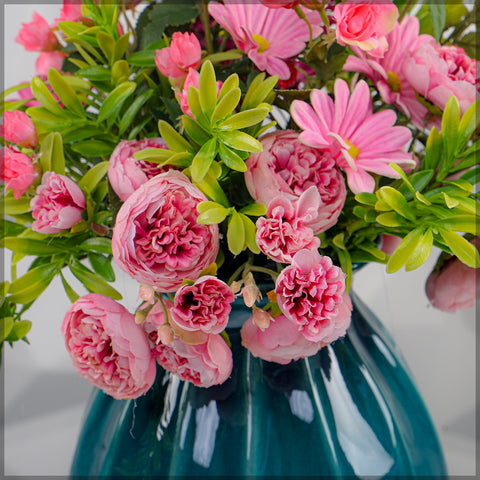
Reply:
x=268, y=36
x=361, y=141
x=387, y=72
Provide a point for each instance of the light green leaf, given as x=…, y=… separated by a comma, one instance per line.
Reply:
x=240, y=141
x=95, y=73
x=93, y=148
x=258, y=91
x=421, y=252
x=366, y=198
x=396, y=201
x=107, y=43
x=173, y=139
x=120, y=72
x=43, y=95
x=90, y=180
x=450, y=124
x=254, y=209
x=212, y=189
x=194, y=130
x=145, y=58
x=231, y=83
x=226, y=105
x=113, y=103
x=6, y=324
x=403, y=251
x=213, y=215
x=12, y=206
x=244, y=119
x=236, y=233
x=461, y=223
x=193, y=98
x=231, y=159
x=97, y=244
x=390, y=219
x=71, y=294
x=121, y=46
x=132, y=110
x=19, y=330
x=207, y=88
x=65, y=93
x=468, y=123
x=93, y=282
x=29, y=246
x=250, y=234
x=203, y=159
x=462, y=249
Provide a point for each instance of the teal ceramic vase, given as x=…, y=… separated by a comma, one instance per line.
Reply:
x=351, y=410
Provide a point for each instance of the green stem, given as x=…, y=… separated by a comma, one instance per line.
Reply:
x=405, y=9
x=206, y=26
x=253, y=268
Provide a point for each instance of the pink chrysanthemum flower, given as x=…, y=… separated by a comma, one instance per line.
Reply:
x=387, y=72
x=268, y=36
x=360, y=140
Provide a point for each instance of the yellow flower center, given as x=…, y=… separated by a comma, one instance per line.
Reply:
x=353, y=150
x=262, y=43
x=394, y=82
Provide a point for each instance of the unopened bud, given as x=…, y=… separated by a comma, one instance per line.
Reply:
x=261, y=318
x=146, y=293
x=235, y=287
x=140, y=317
x=165, y=334
x=250, y=291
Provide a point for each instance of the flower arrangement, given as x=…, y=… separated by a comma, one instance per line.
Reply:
x=216, y=148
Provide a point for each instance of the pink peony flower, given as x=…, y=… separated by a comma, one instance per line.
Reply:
x=126, y=174
x=309, y=292
x=47, y=60
x=455, y=287
x=287, y=167
x=192, y=80
x=283, y=233
x=57, y=205
x=204, y=306
x=156, y=238
x=183, y=53
x=268, y=36
x=37, y=35
x=16, y=171
x=107, y=347
x=364, y=24
x=438, y=72
x=18, y=128
x=387, y=72
x=361, y=141
x=281, y=342
x=204, y=365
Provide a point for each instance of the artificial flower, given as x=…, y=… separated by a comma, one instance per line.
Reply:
x=47, y=60
x=16, y=171
x=107, y=347
x=156, y=238
x=361, y=141
x=18, y=128
x=287, y=167
x=37, y=36
x=268, y=36
x=57, y=205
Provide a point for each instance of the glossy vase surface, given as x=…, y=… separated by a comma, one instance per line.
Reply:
x=350, y=410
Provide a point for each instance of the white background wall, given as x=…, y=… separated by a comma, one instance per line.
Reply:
x=45, y=398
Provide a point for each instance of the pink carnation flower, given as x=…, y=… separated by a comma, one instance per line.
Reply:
x=438, y=72
x=387, y=72
x=268, y=36
x=37, y=35
x=16, y=171
x=47, y=60
x=455, y=287
x=107, y=347
x=70, y=12
x=281, y=342
x=156, y=238
x=309, y=293
x=361, y=141
x=18, y=128
x=286, y=167
x=183, y=53
x=364, y=24
x=283, y=233
x=204, y=306
x=57, y=205
x=126, y=174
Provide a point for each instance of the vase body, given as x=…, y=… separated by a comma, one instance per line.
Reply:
x=350, y=410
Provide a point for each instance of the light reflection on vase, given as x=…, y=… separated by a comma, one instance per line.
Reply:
x=349, y=410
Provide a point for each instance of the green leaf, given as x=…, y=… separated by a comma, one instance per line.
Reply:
x=48, y=120
x=396, y=201
x=43, y=95
x=71, y=294
x=366, y=198
x=438, y=14
x=113, y=103
x=97, y=244
x=19, y=330
x=52, y=158
x=29, y=246
x=154, y=155
x=422, y=251
x=93, y=148
x=102, y=266
x=93, y=282
x=95, y=73
x=236, y=233
x=240, y=141
x=258, y=91
x=254, y=209
x=403, y=251
x=132, y=110
x=12, y=206
x=120, y=72
x=107, y=43
x=90, y=180
x=468, y=123
x=194, y=130
x=450, y=124
x=203, y=159
x=433, y=150
x=461, y=223
x=231, y=159
x=193, y=98
x=121, y=46
x=245, y=119
x=390, y=219
x=65, y=93
x=207, y=88
x=213, y=215
x=212, y=189
x=6, y=324
x=29, y=286
x=145, y=58
x=231, y=83
x=462, y=249
x=173, y=139
x=226, y=105
x=250, y=234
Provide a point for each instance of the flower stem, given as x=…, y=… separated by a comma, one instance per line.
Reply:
x=206, y=26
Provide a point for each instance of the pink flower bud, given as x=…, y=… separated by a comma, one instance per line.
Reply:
x=165, y=334
x=261, y=318
x=18, y=128
x=37, y=35
x=146, y=293
x=250, y=291
x=16, y=171
x=235, y=287
x=140, y=317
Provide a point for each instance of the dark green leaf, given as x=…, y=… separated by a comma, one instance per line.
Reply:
x=102, y=265
x=97, y=244
x=93, y=282
x=93, y=148
x=438, y=15
x=113, y=103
